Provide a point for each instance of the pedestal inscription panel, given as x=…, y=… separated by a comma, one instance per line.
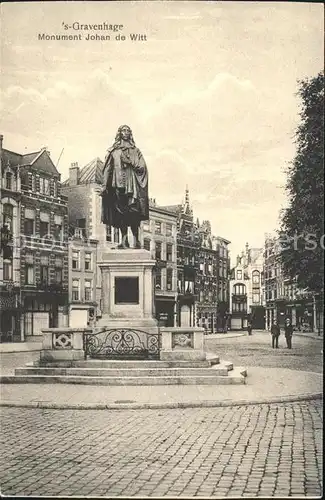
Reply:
x=126, y=290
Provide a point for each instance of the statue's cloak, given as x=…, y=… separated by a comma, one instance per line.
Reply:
x=125, y=179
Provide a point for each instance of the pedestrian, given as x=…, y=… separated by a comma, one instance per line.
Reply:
x=288, y=331
x=275, y=332
x=249, y=328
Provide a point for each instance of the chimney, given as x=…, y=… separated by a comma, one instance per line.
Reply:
x=74, y=174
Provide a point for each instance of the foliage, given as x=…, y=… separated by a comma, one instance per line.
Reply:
x=303, y=221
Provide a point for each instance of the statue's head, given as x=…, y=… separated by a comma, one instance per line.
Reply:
x=124, y=133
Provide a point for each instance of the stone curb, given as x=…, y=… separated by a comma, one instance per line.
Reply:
x=155, y=406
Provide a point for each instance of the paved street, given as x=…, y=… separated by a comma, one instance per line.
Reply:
x=255, y=350
x=255, y=450
x=260, y=450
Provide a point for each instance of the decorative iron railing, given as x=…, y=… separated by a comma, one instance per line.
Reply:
x=122, y=343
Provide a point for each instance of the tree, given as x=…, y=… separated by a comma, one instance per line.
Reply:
x=302, y=223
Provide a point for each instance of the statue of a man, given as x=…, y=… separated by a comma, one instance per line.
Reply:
x=125, y=201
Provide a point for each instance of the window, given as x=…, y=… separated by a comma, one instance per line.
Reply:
x=8, y=180
x=58, y=227
x=169, y=251
x=58, y=275
x=146, y=244
x=88, y=290
x=239, y=289
x=169, y=229
x=157, y=227
x=28, y=323
x=44, y=275
x=44, y=186
x=29, y=222
x=44, y=261
x=75, y=259
x=158, y=279
x=88, y=259
x=7, y=270
x=146, y=226
x=29, y=274
x=169, y=279
x=256, y=277
x=239, y=307
x=58, y=233
x=239, y=275
x=256, y=298
x=8, y=216
x=158, y=250
x=75, y=289
x=210, y=268
x=44, y=229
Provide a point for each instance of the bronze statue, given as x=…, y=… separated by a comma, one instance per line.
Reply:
x=125, y=201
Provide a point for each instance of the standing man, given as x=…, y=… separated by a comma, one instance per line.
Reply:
x=288, y=331
x=275, y=332
x=249, y=328
x=125, y=201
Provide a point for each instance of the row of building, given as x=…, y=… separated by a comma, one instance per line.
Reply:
x=261, y=293
x=52, y=241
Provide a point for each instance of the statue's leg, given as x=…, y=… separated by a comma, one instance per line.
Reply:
x=124, y=234
x=135, y=232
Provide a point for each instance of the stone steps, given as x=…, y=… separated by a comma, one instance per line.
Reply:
x=233, y=377
x=117, y=364
x=219, y=369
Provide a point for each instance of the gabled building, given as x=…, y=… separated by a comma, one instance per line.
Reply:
x=247, y=290
x=38, y=270
x=203, y=269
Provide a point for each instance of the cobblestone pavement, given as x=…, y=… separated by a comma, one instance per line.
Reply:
x=306, y=354
x=260, y=450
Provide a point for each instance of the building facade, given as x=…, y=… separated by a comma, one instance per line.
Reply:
x=246, y=290
x=283, y=297
x=84, y=299
x=202, y=272
x=37, y=272
x=158, y=235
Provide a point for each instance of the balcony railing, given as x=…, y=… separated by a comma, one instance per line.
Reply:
x=33, y=240
x=60, y=200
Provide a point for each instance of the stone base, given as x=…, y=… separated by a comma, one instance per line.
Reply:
x=109, y=323
x=182, y=355
x=48, y=355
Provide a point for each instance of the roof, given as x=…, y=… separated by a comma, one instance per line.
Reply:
x=90, y=173
x=177, y=209
x=39, y=160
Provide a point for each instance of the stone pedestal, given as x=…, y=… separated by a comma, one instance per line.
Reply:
x=127, y=290
x=182, y=344
x=63, y=344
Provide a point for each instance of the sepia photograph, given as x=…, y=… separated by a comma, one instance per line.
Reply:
x=162, y=249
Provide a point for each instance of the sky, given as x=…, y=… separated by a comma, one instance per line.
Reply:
x=209, y=92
